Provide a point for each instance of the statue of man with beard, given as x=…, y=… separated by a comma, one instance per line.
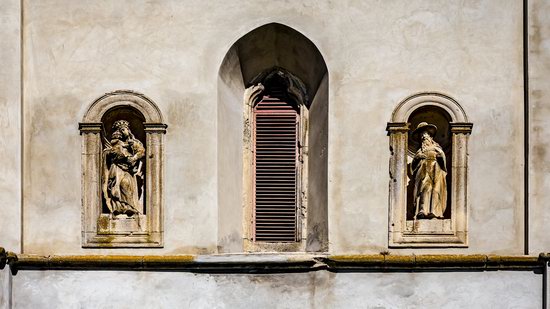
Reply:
x=429, y=173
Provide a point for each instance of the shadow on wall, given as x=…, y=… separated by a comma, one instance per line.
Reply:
x=262, y=49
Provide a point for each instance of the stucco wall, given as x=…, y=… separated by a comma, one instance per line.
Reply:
x=539, y=133
x=471, y=51
x=377, y=54
x=5, y=289
x=75, y=55
x=10, y=125
x=107, y=289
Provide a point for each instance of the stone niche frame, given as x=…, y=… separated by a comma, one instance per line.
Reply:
x=151, y=235
x=295, y=90
x=398, y=131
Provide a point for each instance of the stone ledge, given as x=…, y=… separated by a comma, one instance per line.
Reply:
x=273, y=263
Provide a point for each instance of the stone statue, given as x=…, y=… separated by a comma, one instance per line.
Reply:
x=122, y=165
x=429, y=173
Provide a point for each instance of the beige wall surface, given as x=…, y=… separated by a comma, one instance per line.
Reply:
x=5, y=289
x=66, y=289
x=470, y=51
x=539, y=129
x=377, y=53
x=10, y=125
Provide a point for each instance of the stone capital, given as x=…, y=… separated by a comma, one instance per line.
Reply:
x=397, y=127
x=155, y=127
x=461, y=127
x=90, y=127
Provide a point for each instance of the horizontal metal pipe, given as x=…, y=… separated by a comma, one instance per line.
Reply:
x=272, y=264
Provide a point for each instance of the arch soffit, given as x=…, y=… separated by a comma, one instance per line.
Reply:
x=237, y=38
x=412, y=103
x=140, y=102
x=311, y=79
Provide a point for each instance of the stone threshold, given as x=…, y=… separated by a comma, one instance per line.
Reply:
x=274, y=263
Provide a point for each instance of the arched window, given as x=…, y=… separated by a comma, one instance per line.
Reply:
x=122, y=172
x=272, y=163
x=428, y=172
x=276, y=119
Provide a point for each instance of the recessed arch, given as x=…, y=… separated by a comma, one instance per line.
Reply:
x=276, y=45
x=268, y=51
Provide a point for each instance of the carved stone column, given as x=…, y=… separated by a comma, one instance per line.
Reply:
x=154, y=154
x=91, y=176
x=461, y=131
x=398, y=133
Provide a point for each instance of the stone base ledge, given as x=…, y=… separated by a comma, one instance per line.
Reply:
x=273, y=263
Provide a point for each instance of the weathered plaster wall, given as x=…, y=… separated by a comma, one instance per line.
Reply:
x=10, y=125
x=5, y=289
x=539, y=133
x=10, y=136
x=468, y=50
x=35, y=289
x=377, y=53
x=75, y=55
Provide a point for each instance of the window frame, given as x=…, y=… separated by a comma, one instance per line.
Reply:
x=252, y=96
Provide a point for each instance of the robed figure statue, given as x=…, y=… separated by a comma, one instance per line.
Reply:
x=429, y=173
x=122, y=164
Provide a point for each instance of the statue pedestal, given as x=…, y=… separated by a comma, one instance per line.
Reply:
x=429, y=226
x=121, y=225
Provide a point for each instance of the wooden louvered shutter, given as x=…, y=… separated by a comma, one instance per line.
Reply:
x=275, y=170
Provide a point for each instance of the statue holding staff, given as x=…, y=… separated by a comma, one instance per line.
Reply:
x=429, y=174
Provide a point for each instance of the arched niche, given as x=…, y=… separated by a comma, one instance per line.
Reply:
x=453, y=130
x=270, y=49
x=441, y=119
x=102, y=225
